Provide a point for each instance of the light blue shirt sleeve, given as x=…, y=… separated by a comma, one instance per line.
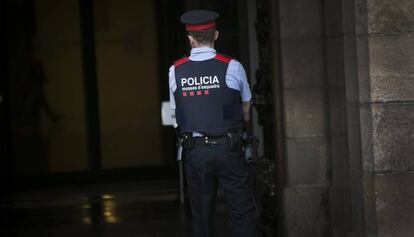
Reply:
x=235, y=79
x=172, y=86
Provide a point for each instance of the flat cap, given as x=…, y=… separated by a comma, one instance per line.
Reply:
x=199, y=19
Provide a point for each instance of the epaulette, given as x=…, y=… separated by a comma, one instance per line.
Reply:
x=180, y=61
x=223, y=58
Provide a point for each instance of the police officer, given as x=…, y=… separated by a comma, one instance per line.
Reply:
x=211, y=96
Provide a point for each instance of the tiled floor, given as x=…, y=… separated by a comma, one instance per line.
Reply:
x=147, y=209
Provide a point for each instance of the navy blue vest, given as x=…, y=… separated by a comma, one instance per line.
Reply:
x=204, y=103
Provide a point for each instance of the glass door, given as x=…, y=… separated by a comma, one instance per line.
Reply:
x=128, y=83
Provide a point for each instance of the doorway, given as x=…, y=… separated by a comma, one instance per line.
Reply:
x=85, y=101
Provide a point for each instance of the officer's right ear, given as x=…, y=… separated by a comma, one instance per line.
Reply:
x=192, y=41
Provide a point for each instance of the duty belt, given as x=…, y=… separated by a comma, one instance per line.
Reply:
x=236, y=141
x=210, y=141
x=233, y=140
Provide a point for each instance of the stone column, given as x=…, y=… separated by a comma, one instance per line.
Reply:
x=306, y=118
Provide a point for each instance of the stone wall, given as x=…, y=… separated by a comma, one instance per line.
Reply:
x=348, y=76
x=370, y=46
x=384, y=96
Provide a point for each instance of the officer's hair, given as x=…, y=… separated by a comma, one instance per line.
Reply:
x=203, y=36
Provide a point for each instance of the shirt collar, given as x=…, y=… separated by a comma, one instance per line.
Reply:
x=201, y=50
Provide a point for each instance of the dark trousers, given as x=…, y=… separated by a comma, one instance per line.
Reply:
x=205, y=168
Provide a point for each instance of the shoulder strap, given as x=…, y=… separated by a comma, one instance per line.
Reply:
x=180, y=61
x=223, y=58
